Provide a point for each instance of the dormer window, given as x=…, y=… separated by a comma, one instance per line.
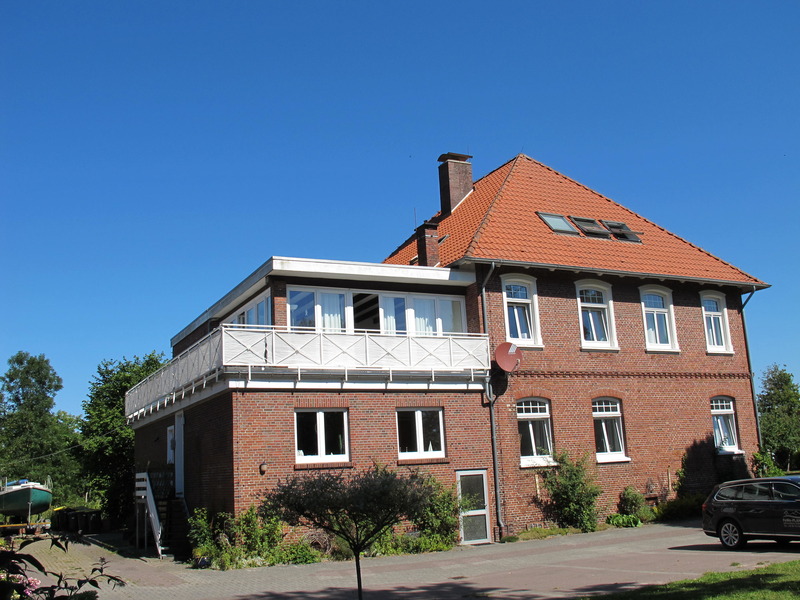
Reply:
x=590, y=227
x=557, y=223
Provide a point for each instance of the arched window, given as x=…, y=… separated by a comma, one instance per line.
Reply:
x=608, y=437
x=715, y=319
x=596, y=312
x=535, y=432
x=659, y=318
x=521, y=310
x=723, y=415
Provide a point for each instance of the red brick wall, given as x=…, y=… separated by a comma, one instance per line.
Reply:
x=208, y=455
x=665, y=398
x=264, y=432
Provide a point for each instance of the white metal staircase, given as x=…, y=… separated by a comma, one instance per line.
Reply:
x=146, y=500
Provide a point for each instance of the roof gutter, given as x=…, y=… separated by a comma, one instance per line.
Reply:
x=577, y=269
x=491, y=399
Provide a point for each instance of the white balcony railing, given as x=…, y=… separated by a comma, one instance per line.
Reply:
x=249, y=346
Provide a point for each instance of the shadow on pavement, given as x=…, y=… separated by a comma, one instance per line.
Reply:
x=434, y=591
x=757, y=546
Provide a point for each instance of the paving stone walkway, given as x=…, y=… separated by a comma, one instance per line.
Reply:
x=559, y=567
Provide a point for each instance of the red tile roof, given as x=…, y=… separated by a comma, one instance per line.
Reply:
x=497, y=221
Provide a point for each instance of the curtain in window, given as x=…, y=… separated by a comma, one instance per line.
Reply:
x=519, y=321
x=332, y=311
x=394, y=315
x=425, y=315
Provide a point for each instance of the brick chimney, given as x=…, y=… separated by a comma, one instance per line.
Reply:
x=455, y=180
x=428, y=244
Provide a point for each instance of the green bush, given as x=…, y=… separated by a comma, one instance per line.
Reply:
x=618, y=520
x=682, y=507
x=572, y=493
x=434, y=530
x=632, y=502
x=764, y=465
x=247, y=540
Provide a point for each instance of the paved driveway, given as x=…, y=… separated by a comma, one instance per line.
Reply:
x=560, y=567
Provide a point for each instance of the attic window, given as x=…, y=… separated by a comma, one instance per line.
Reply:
x=414, y=260
x=557, y=223
x=590, y=226
x=622, y=231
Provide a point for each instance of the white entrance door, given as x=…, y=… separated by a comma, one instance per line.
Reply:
x=475, y=513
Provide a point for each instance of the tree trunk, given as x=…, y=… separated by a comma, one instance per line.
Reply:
x=358, y=574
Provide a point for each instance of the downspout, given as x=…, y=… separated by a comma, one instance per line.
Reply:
x=750, y=369
x=487, y=386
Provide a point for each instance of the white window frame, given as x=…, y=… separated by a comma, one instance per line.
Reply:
x=606, y=308
x=540, y=412
x=667, y=312
x=723, y=410
x=242, y=315
x=383, y=297
x=322, y=458
x=607, y=410
x=716, y=321
x=530, y=306
x=418, y=454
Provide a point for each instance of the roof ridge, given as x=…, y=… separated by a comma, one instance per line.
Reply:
x=484, y=221
x=633, y=212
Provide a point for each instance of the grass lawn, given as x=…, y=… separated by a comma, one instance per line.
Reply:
x=772, y=582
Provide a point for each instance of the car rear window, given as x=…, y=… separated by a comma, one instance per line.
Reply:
x=730, y=493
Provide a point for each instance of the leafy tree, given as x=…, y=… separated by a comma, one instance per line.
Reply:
x=779, y=409
x=108, y=442
x=358, y=508
x=34, y=442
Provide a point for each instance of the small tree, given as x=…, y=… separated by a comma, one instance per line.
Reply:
x=779, y=409
x=357, y=508
x=108, y=443
x=572, y=493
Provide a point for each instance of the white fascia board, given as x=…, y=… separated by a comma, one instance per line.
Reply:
x=362, y=271
x=327, y=269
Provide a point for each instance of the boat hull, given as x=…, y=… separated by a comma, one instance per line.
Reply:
x=21, y=501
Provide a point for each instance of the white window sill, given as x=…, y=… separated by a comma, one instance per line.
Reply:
x=729, y=451
x=537, y=461
x=419, y=455
x=600, y=348
x=662, y=350
x=525, y=343
x=326, y=458
x=719, y=351
x=612, y=457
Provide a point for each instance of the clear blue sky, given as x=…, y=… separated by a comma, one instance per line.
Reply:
x=153, y=154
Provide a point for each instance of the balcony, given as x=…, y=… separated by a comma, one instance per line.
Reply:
x=249, y=351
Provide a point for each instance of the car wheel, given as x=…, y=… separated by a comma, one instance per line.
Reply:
x=731, y=536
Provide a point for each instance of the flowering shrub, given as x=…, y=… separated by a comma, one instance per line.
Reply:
x=16, y=584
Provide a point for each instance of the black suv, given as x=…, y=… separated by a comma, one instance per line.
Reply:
x=767, y=508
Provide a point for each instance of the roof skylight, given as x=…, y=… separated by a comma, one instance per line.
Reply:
x=590, y=226
x=557, y=223
x=621, y=231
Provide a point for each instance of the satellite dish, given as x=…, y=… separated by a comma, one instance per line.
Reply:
x=508, y=357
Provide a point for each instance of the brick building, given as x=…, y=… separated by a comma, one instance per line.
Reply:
x=616, y=340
